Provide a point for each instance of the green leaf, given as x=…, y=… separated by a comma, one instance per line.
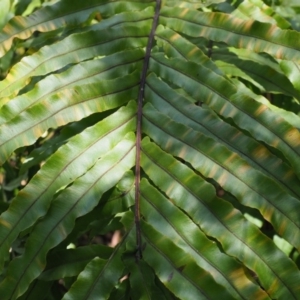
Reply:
x=180, y=109
x=38, y=290
x=61, y=169
x=168, y=219
x=223, y=97
x=74, y=49
x=229, y=170
x=98, y=278
x=177, y=271
x=258, y=10
x=252, y=35
x=70, y=262
x=61, y=109
x=84, y=195
x=254, y=68
x=291, y=70
x=218, y=219
x=150, y=150
x=61, y=14
x=4, y=12
x=142, y=280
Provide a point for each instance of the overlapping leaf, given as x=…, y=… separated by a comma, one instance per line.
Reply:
x=218, y=219
x=63, y=13
x=258, y=10
x=69, y=162
x=202, y=131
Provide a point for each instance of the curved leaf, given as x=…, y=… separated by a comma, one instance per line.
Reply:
x=258, y=10
x=233, y=173
x=217, y=218
x=222, y=96
x=170, y=221
x=74, y=49
x=70, y=262
x=182, y=110
x=83, y=196
x=65, y=107
x=252, y=35
x=163, y=129
x=63, y=13
x=69, y=162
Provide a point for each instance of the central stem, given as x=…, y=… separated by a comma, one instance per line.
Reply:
x=137, y=215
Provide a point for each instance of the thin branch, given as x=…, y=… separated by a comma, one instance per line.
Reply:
x=137, y=214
